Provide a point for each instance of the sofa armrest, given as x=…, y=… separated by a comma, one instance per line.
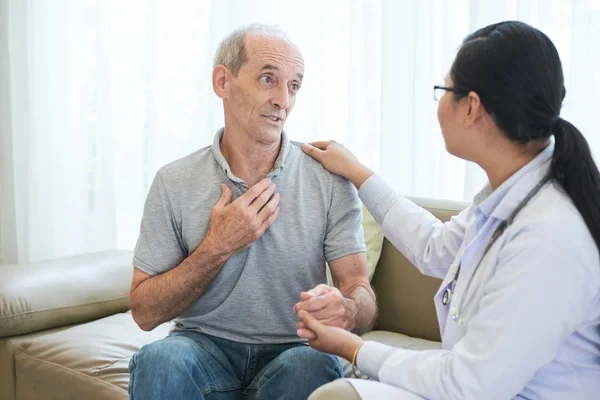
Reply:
x=63, y=291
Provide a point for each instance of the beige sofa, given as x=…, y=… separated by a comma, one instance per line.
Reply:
x=66, y=333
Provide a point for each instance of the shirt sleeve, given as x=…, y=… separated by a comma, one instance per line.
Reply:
x=537, y=297
x=159, y=246
x=429, y=244
x=344, y=235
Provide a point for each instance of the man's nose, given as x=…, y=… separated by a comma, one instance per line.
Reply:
x=281, y=97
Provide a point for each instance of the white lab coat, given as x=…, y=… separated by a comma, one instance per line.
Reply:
x=530, y=323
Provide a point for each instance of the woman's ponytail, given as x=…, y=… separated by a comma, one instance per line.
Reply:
x=574, y=168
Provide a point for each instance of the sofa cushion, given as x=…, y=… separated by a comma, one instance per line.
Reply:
x=86, y=361
x=391, y=339
x=63, y=291
x=402, y=341
x=373, y=240
x=8, y=347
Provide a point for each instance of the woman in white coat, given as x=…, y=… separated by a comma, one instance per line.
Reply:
x=519, y=306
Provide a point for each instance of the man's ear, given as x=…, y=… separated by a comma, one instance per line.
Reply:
x=221, y=78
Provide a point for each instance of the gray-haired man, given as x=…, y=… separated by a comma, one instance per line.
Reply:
x=233, y=237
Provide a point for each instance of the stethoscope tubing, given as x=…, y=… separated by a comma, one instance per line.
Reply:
x=449, y=292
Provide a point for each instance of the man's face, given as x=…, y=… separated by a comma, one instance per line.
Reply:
x=263, y=94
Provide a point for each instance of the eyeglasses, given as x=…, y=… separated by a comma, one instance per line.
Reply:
x=438, y=91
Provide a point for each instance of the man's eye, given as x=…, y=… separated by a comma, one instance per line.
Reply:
x=295, y=87
x=266, y=79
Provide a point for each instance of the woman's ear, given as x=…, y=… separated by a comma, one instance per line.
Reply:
x=220, y=80
x=475, y=110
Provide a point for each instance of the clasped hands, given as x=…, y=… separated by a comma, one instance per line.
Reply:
x=325, y=320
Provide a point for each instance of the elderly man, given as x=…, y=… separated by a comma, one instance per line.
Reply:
x=234, y=239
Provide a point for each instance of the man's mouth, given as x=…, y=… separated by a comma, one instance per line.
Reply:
x=272, y=118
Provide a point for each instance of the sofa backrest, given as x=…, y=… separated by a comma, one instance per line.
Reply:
x=404, y=295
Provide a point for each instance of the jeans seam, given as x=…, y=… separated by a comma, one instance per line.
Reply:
x=261, y=382
x=248, y=362
x=130, y=385
x=224, y=389
x=213, y=388
x=209, y=388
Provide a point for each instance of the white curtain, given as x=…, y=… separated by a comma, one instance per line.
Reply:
x=96, y=95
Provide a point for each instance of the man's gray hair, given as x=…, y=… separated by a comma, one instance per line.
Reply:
x=232, y=50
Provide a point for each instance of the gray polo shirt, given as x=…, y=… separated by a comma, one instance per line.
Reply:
x=251, y=299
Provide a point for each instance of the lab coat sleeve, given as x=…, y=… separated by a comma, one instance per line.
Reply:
x=541, y=288
x=423, y=239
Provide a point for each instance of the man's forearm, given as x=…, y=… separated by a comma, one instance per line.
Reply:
x=163, y=297
x=361, y=307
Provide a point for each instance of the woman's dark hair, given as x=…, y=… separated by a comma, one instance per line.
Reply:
x=516, y=71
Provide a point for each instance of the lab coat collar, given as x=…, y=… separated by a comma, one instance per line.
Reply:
x=501, y=202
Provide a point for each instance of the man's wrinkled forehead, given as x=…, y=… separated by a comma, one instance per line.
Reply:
x=273, y=53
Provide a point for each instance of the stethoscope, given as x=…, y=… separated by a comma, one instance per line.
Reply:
x=448, y=293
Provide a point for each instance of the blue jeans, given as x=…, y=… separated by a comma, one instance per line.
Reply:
x=191, y=365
